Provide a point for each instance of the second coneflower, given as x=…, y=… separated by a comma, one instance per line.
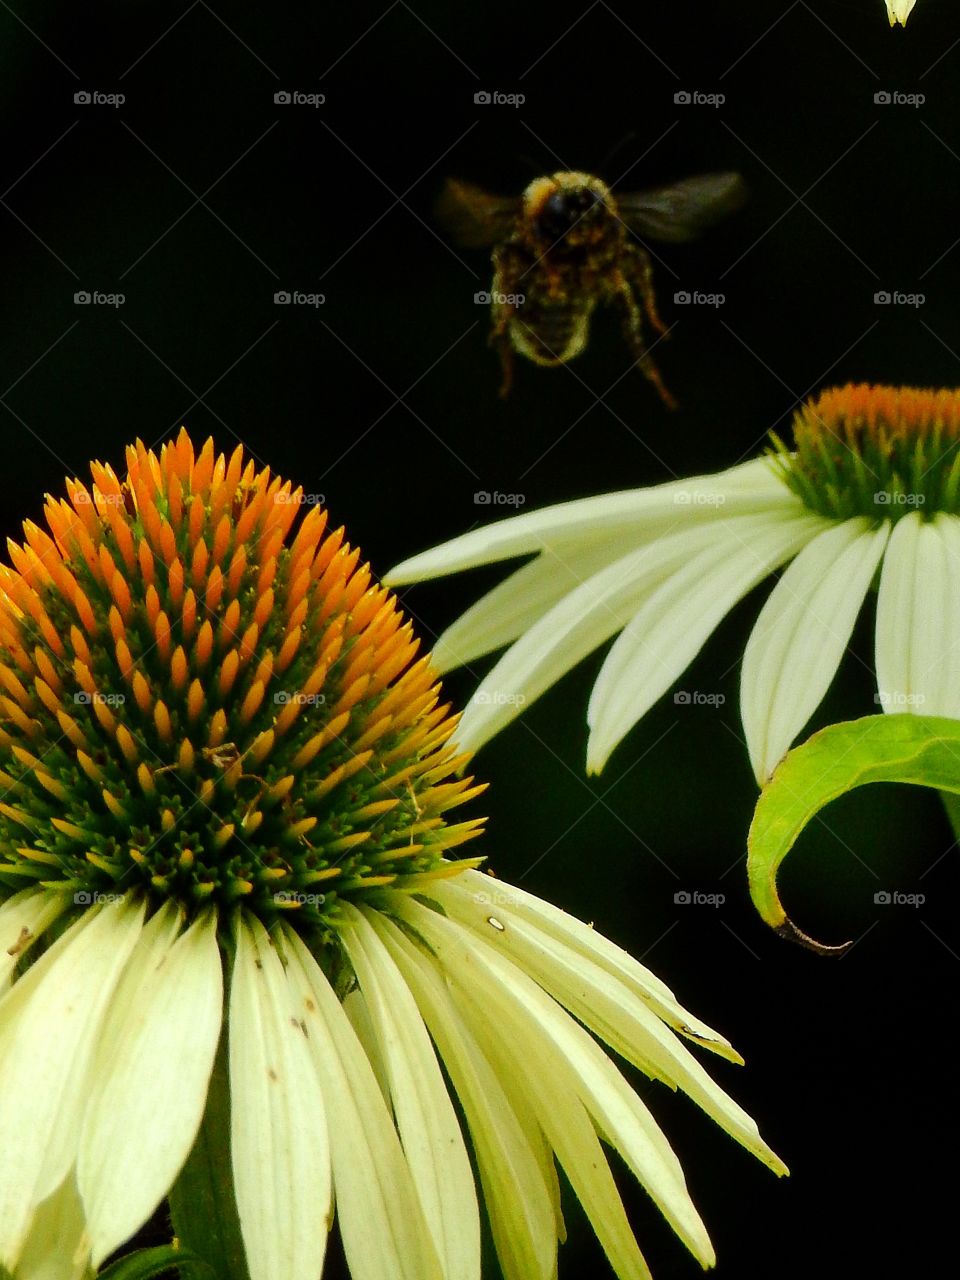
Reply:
x=225, y=788
x=872, y=484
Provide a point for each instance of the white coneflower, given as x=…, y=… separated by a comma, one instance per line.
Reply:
x=225, y=875
x=899, y=11
x=873, y=483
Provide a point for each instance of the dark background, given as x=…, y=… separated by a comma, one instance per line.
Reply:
x=198, y=198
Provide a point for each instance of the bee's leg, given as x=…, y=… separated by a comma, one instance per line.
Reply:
x=505, y=351
x=633, y=332
x=640, y=269
x=502, y=314
x=499, y=339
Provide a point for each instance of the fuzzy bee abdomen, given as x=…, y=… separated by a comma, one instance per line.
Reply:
x=550, y=335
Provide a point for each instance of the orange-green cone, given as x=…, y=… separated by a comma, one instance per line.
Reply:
x=207, y=699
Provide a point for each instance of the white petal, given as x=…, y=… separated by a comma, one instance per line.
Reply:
x=749, y=487
x=609, y=1008
x=562, y=1067
x=150, y=1078
x=355, y=1007
x=50, y=1022
x=943, y=670
x=428, y=1125
x=511, y=608
x=278, y=1128
x=674, y=622
x=516, y=1168
x=918, y=613
x=801, y=634
x=385, y=1235
x=585, y=618
x=568, y=1126
x=57, y=1247
x=599, y=950
x=23, y=919
x=899, y=11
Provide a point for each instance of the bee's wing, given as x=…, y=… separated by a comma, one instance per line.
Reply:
x=473, y=217
x=685, y=209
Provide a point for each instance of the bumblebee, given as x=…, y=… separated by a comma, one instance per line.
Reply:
x=566, y=246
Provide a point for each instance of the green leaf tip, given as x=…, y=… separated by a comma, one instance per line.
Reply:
x=922, y=750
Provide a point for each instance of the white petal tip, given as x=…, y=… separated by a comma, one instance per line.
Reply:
x=899, y=11
x=597, y=757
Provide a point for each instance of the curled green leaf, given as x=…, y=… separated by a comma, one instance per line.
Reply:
x=924, y=750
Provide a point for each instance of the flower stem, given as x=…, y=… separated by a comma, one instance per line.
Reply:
x=951, y=802
x=202, y=1202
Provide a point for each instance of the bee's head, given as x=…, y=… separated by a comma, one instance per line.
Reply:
x=571, y=207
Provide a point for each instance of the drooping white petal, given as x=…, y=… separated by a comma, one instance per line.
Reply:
x=570, y=1130
x=563, y=1067
x=599, y=950
x=58, y=1247
x=918, y=612
x=23, y=919
x=521, y=600
x=584, y=619
x=751, y=486
x=278, y=1125
x=150, y=1077
x=384, y=1232
x=609, y=1008
x=515, y=1167
x=943, y=671
x=355, y=1007
x=50, y=1023
x=899, y=11
x=673, y=623
x=428, y=1125
x=801, y=634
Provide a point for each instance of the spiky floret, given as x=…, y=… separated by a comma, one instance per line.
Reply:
x=198, y=705
x=881, y=452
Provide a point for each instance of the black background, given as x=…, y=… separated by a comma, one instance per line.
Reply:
x=199, y=197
